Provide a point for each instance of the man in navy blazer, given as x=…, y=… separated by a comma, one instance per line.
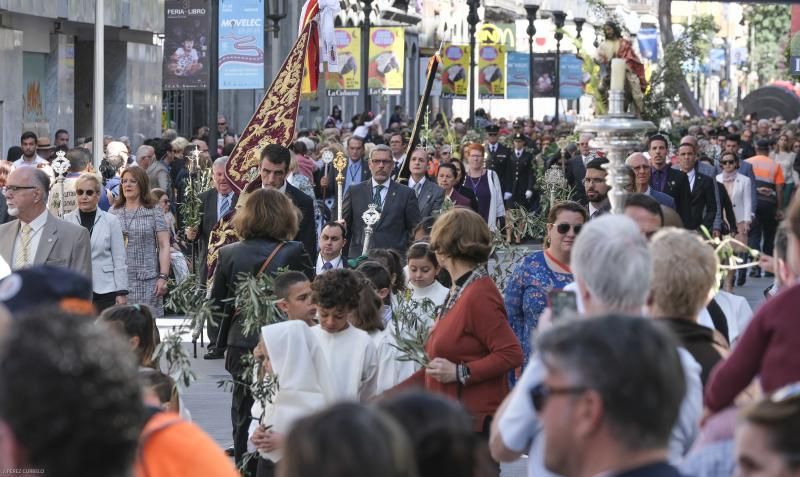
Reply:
x=397, y=203
x=668, y=180
x=641, y=169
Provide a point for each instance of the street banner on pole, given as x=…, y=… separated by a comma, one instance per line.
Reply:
x=455, y=77
x=386, y=60
x=648, y=43
x=344, y=78
x=544, y=82
x=186, y=28
x=517, y=75
x=491, y=72
x=241, y=44
x=571, y=76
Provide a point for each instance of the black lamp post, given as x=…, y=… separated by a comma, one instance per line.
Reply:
x=277, y=10
x=472, y=20
x=531, y=10
x=559, y=18
x=365, y=27
x=578, y=27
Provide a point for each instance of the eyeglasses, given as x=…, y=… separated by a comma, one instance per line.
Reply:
x=221, y=124
x=725, y=163
x=12, y=189
x=564, y=228
x=88, y=193
x=594, y=180
x=541, y=393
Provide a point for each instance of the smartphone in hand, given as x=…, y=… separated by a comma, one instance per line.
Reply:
x=563, y=303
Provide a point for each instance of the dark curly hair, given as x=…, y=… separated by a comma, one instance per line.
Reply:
x=70, y=394
x=337, y=289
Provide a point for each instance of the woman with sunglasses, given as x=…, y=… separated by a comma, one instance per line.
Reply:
x=737, y=185
x=543, y=271
x=109, y=268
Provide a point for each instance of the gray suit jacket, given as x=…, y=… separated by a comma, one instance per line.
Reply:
x=430, y=198
x=109, y=266
x=62, y=244
x=399, y=216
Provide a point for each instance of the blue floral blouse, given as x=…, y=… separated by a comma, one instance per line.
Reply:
x=526, y=296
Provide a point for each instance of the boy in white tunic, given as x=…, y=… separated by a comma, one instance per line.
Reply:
x=349, y=351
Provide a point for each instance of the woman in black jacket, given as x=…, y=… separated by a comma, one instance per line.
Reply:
x=266, y=222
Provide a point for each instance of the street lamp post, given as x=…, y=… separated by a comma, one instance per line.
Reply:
x=365, y=27
x=559, y=18
x=277, y=10
x=472, y=20
x=578, y=27
x=531, y=8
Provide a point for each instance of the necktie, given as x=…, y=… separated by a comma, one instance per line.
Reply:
x=23, y=254
x=417, y=188
x=494, y=149
x=327, y=266
x=376, y=199
x=224, y=206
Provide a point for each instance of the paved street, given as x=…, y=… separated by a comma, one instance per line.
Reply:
x=209, y=404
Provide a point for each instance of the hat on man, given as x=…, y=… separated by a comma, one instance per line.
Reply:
x=492, y=129
x=517, y=123
x=519, y=137
x=762, y=145
x=43, y=143
x=46, y=285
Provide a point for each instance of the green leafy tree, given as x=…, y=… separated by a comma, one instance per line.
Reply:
x=769, y=25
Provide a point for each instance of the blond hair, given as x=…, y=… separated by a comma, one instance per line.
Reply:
x=684, y=273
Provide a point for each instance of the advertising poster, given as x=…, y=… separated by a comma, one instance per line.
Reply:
x=344, y=79
x=544, y=75
x=571, y=77
x=491, y=72
x=648, y=43
x=386, y=60
x=436, y=90
x=186, y=44
x=455, y=76
x=517, y=77
x=241, y=44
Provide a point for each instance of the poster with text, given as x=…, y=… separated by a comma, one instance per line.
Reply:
x=571, y=77
x=241, y=44
x=517, y=75
x=491, y=72
x=186, y=44
x=386, y=60
x=544, y=75
x=344, y=79
x=455, y=73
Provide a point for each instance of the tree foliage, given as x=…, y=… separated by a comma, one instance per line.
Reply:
x=769, y=25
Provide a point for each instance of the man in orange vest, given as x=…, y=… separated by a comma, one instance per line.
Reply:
x=769, y=206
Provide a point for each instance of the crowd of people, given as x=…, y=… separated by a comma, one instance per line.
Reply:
x=615, y=347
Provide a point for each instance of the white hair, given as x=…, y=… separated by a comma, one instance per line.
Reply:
x=612, y=259
x=220, y=163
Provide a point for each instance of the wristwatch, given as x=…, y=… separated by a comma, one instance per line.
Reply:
x=163, y=276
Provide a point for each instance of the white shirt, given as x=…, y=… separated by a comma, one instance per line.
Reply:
x=336, y=262
x=280, y=189
x=353, y=362
x=37, y=159
x=391, y=371
x=413, y=184
x=5, y=269
x=692, y=175
x=592, y=210
x=384, y=191
x=37, y=225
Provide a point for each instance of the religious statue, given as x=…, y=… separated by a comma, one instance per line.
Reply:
x=615, y=46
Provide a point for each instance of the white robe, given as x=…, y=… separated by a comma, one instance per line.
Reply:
x=353, y=362
x=304, y=384
x=391, y=370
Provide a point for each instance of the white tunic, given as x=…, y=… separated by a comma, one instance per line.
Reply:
x=353, y=362
x=391, y=370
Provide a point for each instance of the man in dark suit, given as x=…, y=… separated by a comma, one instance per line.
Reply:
x=216, y=203
x=576, y=168
x=396, y=202
x=597, y=188
x=275, y=160
x=519, y=180
x=703, y=205
x=499, y=154
x=665, y=179
x=429, y=195
x=357, y=169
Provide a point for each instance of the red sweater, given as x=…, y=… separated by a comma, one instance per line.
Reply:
x=474, y=332
x=769, y=349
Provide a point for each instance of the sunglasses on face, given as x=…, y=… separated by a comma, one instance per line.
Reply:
x=87, y=192
x=564, y=228
x=726, y=163
x=540, y=393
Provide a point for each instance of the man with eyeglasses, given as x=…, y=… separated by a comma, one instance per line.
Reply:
x=38, y=237
x=641, y=170
x=593, y=424
x=397, y=205
x=603, y=244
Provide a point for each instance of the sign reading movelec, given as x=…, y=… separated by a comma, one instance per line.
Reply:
x=186, y=44
x=241, y=44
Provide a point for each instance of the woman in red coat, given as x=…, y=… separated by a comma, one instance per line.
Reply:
x=471, y=346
